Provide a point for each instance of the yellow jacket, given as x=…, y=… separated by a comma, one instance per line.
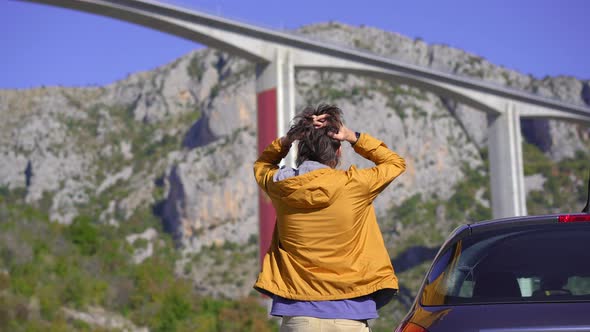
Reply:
x=327, y=244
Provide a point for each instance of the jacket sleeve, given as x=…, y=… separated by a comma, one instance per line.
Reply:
x=388, y=164
x=268, y=163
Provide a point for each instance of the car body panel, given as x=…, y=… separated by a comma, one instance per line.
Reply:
x=526, y=313
x=532, y=317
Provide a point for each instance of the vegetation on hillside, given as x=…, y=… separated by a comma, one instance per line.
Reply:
x=46, y=267
x=565, y=183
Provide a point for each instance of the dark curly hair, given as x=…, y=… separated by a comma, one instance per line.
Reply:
x=314, y=143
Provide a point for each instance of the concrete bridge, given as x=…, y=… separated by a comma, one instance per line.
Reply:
x=278, y=54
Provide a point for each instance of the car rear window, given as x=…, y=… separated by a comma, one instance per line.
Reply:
x=540, y=263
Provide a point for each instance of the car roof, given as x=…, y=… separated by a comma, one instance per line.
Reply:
x=503, y=223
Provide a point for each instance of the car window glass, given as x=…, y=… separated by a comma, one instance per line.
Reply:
x=439, y=267
x=579, y=285
x=532, y=264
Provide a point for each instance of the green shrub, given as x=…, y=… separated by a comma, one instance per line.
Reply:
x=174, y=309
x=84, y=234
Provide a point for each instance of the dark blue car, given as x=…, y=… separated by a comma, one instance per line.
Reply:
x=516, y=274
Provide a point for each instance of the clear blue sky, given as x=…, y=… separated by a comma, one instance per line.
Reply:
x=43, y=45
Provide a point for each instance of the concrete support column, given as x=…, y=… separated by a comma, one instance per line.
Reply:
x=505, y=156
x=275, y=96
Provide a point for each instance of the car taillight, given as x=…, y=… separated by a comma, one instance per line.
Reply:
x=410, y=327
x=574, y=217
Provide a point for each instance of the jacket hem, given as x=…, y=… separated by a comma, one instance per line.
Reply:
x=269, y=291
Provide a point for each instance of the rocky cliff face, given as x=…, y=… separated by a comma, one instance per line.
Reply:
x=180, y=140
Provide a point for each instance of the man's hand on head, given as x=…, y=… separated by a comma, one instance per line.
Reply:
x=319, y=121
x=344, y=134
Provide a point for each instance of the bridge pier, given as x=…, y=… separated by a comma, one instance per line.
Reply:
x=505, y=157
x=275, y=98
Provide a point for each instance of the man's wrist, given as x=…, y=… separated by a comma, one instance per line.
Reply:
x=286, y=142
x=354, y=137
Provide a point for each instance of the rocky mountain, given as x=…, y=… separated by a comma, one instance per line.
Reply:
x=178, y=143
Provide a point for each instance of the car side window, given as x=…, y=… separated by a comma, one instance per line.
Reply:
x=579, y=285
x=528, y=285
x=466, y=289
x=439, y=266
x=513, y=265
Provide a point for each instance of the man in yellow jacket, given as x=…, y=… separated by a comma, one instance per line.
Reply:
x=327, y=266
